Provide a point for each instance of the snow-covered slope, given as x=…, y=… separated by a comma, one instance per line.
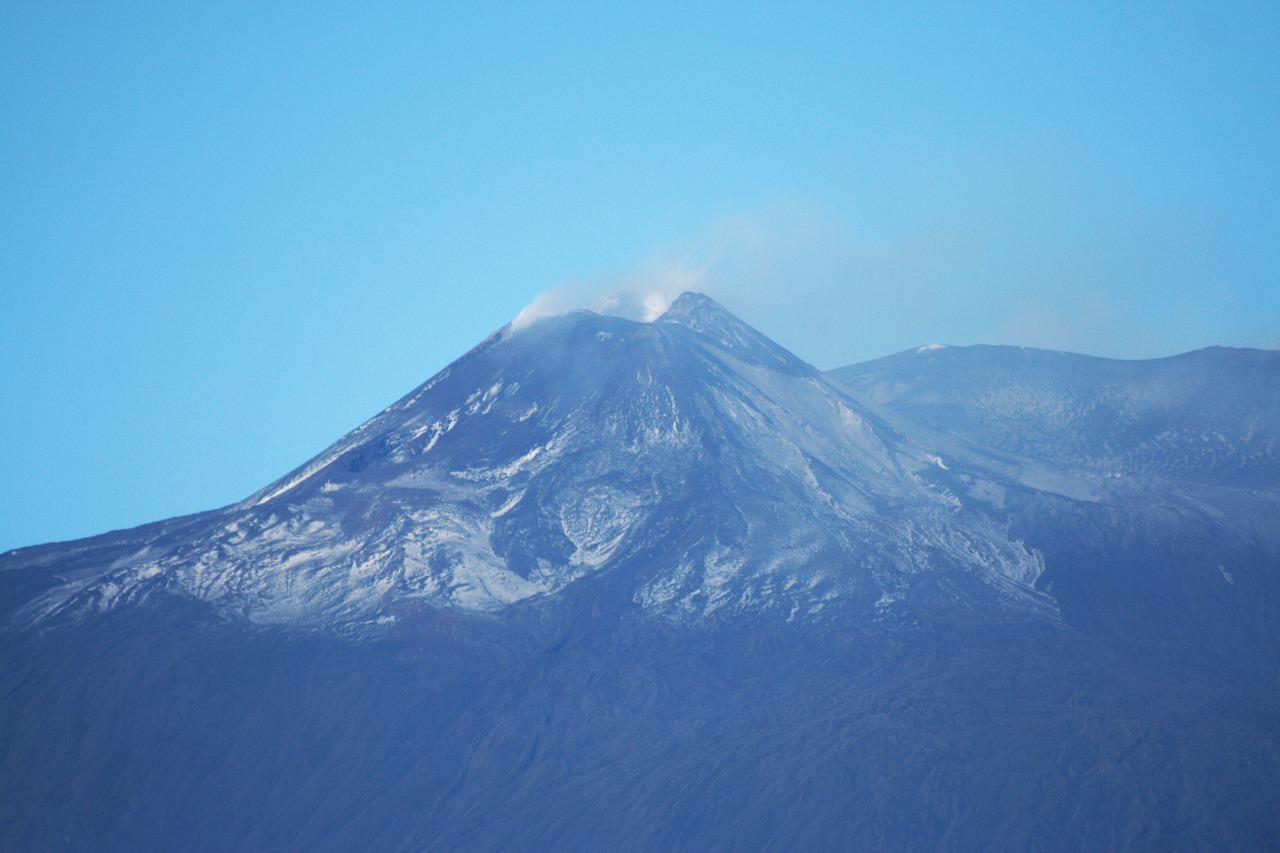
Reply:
x=706, y=467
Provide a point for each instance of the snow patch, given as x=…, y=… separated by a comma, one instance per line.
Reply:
x=509, y=505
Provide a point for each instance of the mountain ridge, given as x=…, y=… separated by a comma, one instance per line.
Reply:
x=1211, y=415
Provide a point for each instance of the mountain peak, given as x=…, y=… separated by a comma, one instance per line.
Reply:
x=694, y=309
x=708, y=318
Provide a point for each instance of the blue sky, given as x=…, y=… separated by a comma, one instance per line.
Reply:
x=231, y=232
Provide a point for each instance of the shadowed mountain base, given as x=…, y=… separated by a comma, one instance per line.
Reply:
x=622, y=735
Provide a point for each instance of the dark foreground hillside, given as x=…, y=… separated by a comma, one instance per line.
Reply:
x=169, y=732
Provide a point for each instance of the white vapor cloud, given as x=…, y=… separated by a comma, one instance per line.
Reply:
x=642, y=294
x=548, y=303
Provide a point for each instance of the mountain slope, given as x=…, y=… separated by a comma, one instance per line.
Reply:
x=1173, y=542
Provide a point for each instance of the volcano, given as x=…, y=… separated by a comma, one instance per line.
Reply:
x=603, y=583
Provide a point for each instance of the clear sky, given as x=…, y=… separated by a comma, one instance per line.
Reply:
x=231, y=232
